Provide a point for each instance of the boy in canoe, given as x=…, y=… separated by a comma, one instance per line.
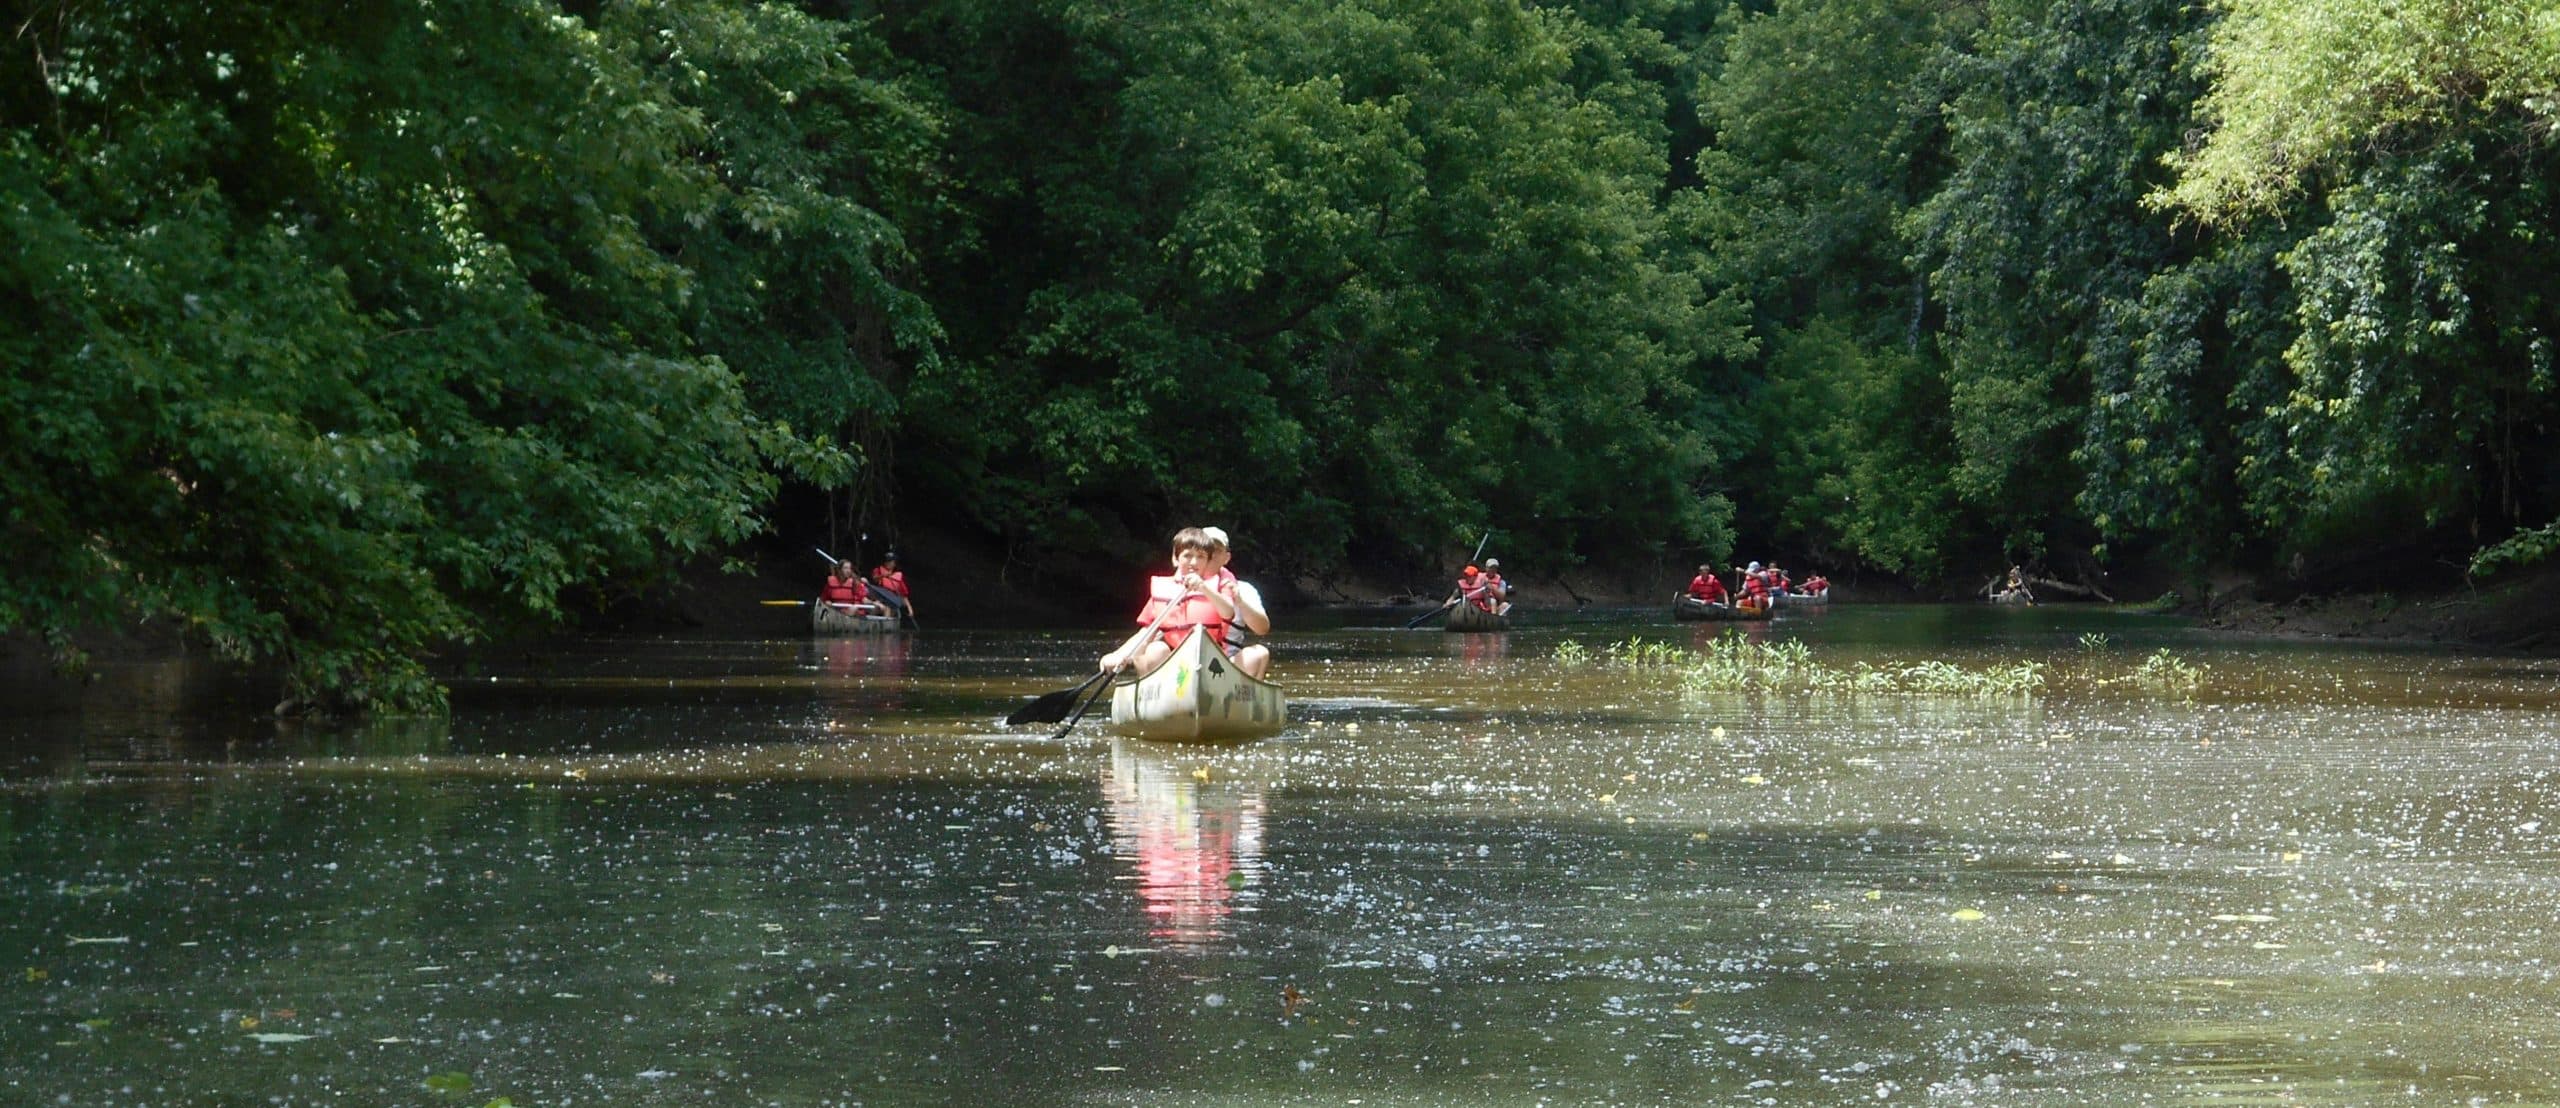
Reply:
x=1199, y=597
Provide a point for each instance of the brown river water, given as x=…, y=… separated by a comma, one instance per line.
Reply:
x=1476, y=869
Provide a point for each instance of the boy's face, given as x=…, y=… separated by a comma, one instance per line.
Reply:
x=1190, y=559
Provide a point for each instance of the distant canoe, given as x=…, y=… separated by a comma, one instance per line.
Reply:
x=1197, y=695
x=1468, y=617
x=1789, y=600
x=827, y=620
x=2013, y=596
x=1690, y=608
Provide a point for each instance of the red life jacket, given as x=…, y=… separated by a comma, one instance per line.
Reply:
x=1709, y=589
x=1187, y=611
x=890, y=580
x=840, y=590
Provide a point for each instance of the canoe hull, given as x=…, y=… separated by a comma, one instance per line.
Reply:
x=1692, y=609
x=1197, y=695
x=828, y=621
x=1794, y=599
x=1468, y=617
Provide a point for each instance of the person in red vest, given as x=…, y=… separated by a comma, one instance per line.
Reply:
x=889, y=587
x=1251, y=619
x=1495, y=588
x=1472, y=588
x=1755, y=587
x=1197, y=598
x=1708, y=587
x=844, y=590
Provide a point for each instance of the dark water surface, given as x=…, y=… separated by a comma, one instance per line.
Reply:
x=690, y=871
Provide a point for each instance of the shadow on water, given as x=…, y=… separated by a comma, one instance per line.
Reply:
x=687, y=871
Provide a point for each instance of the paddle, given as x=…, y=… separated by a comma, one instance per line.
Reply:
x=1053, y=706
x=1452, y=602
x=1099, y=692
x=1050, y=707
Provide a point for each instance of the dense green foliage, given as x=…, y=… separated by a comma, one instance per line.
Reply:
x=334, y=334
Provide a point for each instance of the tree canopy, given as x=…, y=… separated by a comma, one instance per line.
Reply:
x=337, y=334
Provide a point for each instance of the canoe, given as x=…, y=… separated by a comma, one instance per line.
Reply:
x=1467, y=617
x=1794, y=598
x=1692, y=608
x=827, y=619
x=2013, y=596
x=1197, y=695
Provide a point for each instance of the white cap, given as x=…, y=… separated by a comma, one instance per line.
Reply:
x=1489, y=563
x=1217, y=535
x=1753, y=567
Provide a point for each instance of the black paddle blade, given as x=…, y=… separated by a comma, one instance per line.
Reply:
x=1099, y=692
x=1050, y=707
x=1417, y=620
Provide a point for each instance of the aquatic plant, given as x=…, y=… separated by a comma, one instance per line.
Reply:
x=1639, y=652
x=2165, y=672
x=1571, y=652
x=2094, y=641
x=1736, y=664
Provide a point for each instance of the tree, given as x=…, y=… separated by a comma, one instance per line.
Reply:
x=2413, y=139
x=335, y=333
x=1415, y=274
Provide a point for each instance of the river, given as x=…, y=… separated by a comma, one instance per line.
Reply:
x=1481, y=869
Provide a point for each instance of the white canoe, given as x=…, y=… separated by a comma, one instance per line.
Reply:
x=827, y=619
x=1197, y=695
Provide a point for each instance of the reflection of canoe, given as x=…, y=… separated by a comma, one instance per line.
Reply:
x=1197, y=693
x=827, y=619
x=1692, y=608
x=1468, y=617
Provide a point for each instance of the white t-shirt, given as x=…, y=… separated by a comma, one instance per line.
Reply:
x=1248, y=597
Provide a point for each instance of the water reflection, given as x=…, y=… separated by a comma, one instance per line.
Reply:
x=1191, y=822
x=878, y=657
x=867, y=677
x=1482, y=649
x=1703, y=635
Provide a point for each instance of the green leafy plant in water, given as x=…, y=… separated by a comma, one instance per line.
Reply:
x=2165, y=672
x=1638, y=652
x=1736, y=664
x=1572, y=653
x=2094, y=641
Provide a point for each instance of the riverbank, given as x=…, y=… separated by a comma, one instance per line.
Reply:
x=2515, y=614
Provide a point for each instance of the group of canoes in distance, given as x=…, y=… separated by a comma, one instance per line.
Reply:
x=1191, y=671
x=1761, y=591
